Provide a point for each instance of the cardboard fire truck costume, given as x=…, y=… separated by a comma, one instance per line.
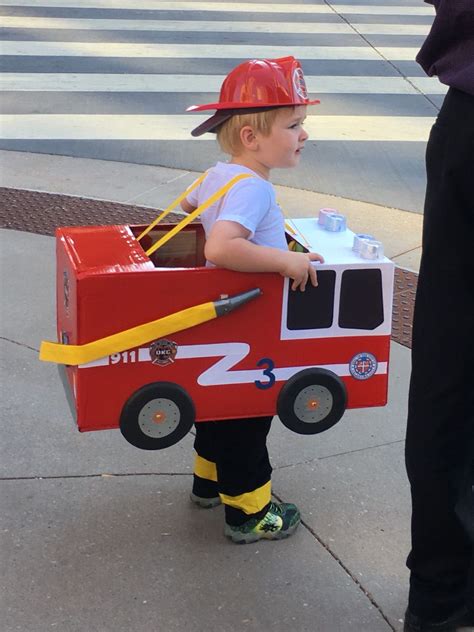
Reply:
x=151, y=340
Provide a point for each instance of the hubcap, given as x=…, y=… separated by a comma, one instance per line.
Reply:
x=313, y=403
x=159, y=418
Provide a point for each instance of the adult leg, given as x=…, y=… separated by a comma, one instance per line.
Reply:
x=440, y=418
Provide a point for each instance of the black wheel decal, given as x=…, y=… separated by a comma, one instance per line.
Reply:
x=312, y=401
x=157, y=416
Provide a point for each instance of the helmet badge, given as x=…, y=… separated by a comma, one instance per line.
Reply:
x=299, y=83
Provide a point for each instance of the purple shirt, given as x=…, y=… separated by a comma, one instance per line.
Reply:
x=448, y=51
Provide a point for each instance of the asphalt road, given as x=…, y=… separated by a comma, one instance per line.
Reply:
x=81, y=80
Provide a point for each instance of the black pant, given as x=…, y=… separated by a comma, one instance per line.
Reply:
x=238, y=447
x=440, y=429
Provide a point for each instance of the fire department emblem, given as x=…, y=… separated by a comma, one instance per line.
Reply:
x=299, y=83
x=163, y=352
x=363, y=366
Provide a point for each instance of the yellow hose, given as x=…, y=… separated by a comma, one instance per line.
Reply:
x=128, y=339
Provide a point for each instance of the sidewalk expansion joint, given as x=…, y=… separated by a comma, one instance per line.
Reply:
x=376, y=50
x=332, y=456
x=405, y=252
x=370, y=447
x=155, y=188
x=20, y=344
x=344, y=568
x=80, y=476
x=178, y=177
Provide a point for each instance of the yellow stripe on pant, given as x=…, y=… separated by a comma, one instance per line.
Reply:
x=250, y=502
x=205, y=469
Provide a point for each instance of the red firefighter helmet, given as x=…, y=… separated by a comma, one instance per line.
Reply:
x=255, y=85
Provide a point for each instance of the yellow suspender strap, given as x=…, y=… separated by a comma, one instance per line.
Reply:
x=172, y=206
x=189, y=218
x=128, y=339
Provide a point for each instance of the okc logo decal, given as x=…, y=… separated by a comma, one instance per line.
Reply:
x=163, y=352
x=363, y=366
x=299, y=83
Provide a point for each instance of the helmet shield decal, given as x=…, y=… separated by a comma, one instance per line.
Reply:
x=299, y=84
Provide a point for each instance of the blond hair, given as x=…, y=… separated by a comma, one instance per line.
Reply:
x=228, y=134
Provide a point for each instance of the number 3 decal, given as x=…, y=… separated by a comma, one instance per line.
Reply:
x=268, y=372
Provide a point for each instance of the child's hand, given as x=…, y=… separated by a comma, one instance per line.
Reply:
x=299, y=268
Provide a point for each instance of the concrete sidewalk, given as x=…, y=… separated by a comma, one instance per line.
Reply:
x=99, y=536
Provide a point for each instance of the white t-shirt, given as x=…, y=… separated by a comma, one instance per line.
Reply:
x=250, y=202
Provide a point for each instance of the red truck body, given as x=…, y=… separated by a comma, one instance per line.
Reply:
x=232, y=366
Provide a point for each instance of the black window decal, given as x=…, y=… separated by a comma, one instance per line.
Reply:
x=361, y=305
x=313, y=308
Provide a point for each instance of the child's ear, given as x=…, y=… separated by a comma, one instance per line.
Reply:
x=248, y=138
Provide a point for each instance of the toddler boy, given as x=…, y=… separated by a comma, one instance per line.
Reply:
x=259, y=123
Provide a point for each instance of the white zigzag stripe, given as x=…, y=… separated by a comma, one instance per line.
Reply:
x=232, y=353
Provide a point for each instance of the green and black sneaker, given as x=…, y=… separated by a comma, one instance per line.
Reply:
x=280, y=521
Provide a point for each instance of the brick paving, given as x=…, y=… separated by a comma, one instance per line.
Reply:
x=41, y=213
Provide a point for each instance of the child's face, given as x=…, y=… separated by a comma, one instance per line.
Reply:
x=282, y=148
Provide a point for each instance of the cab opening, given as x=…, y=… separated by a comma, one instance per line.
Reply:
x=185, y=250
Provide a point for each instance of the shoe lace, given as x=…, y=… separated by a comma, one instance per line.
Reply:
x=275, y=509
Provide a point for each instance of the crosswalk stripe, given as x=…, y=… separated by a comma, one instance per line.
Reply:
x=333, y=28
x=229, y=51
x=92, y=82
x=429, y=85
x=177, y=127
x=392, y=29
x=242, y=7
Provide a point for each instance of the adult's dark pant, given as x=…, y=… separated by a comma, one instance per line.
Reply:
x=232, y=461
x=440, y=430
